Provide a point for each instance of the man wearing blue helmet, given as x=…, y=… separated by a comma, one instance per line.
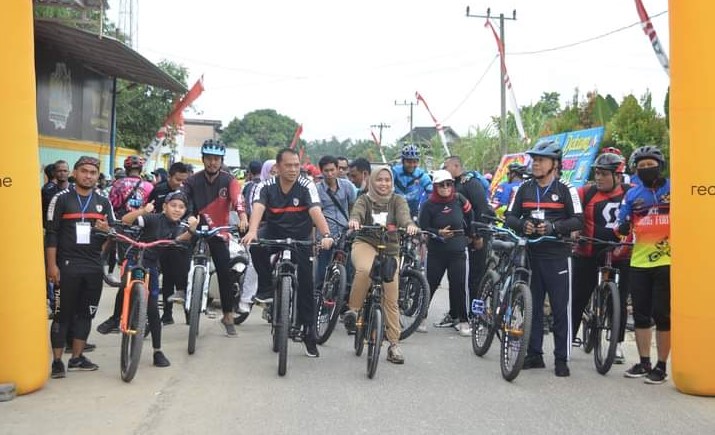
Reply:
x=411, y=181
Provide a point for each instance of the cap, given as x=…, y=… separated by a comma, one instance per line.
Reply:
x=440, y=176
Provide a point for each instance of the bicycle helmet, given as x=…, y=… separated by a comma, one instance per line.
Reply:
x=612, y=150
x=410, y=152
x=516, y=167
x=647, y=152
x=609, y=162
x=213, y=148
x=177, y=194
x=134, y=162
x=548, y=149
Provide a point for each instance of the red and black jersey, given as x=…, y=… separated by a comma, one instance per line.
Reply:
x=212, y=201
x=65, y=210
x=600, y=215
x=286, y=213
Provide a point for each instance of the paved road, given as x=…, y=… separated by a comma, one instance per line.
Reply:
x=231, y=386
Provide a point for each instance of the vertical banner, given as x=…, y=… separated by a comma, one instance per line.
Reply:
x=692, y=112
x=379, y=146
x=437, y=124
x=296, y=136
x=649, y=30
x=23, y=314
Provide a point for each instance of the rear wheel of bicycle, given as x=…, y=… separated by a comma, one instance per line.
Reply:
x=517, y=330
x=360, y=326
x=588, y=324
x=484, y=324
x=282, y=324
x=414, y=303
x=330, y=301
x=197, y=289
x=133, y=338
x=375, y=331
x=607, y=326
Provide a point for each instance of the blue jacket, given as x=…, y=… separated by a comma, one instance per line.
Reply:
x=414, y=187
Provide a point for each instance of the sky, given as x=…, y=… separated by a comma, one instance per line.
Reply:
x=340, y=67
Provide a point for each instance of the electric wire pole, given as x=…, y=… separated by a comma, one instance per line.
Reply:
x=502, y=127
x=412, y=104
x=380, y=126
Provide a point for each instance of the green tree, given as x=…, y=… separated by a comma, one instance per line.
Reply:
x=261, y=128
x=635, y=125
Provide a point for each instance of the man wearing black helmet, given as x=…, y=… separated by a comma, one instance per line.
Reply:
x=503, y=193
x=545, y=206
x=600, y=201
x=645, y=211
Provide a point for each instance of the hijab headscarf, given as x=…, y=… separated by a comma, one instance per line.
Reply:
x=372, y=190
x=266, y=169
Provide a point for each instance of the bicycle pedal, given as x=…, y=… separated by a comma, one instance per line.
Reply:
x=478, y=306
x=514, y=332
x=131, y=332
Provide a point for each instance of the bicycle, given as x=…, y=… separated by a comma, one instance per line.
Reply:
x=414, y=292
x=238, y=264
x=504, y=304
x=601, y=321
x=133, y=318
x=331, y=296
x=284, y=318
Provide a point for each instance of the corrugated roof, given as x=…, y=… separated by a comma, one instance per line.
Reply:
x=105, y=55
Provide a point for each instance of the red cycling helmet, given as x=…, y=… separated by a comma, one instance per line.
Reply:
x=134, y=162
x=611, y=150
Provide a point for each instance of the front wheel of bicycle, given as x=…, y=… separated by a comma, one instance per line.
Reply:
x=133, y=338
x=197, y=290
x=484, y=324
x=330, y=301
x=282, y=324
x=375, y=332
x=360, y=327
x=415, y=302
x=516, y=331
x=607, y=326
x=588, y=324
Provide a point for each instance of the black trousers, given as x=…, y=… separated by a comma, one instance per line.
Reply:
x=650, y=290
x=76, y=301
x=221, y=258
x=175, y=266
x=552, y=277
x=455, y=264
x=477, y=268
x=585, y=279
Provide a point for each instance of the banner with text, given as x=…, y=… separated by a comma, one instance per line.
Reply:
x=501, y=175
x=579, y=151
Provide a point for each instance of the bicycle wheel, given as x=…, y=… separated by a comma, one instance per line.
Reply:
x=484, y=324
x=516, y=331
x=282, y=324
x=197, y=291
x=133, y=339
x=360, y=332
x=375, y=332
x=330, y=301
x=608, y=324
x=588, y=324
x=237, y=289
x=414, y=305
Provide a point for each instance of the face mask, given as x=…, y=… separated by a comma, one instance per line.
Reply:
x=648, y=175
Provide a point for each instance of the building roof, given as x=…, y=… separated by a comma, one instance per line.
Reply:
x=426, y=134
x=104, y=55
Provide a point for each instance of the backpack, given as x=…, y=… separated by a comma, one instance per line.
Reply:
x=477, y=176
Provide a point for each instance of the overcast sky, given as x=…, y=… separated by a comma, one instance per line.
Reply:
x=338, y=67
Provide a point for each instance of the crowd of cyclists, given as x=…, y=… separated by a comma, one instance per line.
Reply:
x=283, y=199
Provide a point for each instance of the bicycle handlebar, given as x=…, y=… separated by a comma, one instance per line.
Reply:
x=602, y=242
x=282, y=242
x=142, y=245
x=206, y=233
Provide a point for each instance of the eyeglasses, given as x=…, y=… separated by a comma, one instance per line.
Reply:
x=342, y=168
x=445, y=184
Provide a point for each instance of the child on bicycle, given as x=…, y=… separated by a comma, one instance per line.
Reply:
x=158, y=226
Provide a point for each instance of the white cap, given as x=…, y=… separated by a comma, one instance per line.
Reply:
x=441, y=175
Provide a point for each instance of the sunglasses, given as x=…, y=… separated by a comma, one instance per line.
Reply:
x=445, y=184
x=343, y=168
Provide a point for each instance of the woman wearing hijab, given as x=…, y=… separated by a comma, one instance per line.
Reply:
x=448, y=214
x=379, y=205
x=268, y=170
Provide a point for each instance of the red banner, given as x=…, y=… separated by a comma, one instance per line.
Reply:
x=649, y=30
x=296, y=136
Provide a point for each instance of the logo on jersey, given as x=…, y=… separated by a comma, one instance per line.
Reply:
x=447, y=209
x=610, y=214
x=99, y=208
x=295, y=202
x=554, y=197
x=223, y=193
x=665, y=198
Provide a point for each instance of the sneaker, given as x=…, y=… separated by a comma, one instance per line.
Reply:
x=167, y=320
x=58, y=369
x=423, y=326
x=637, y=371
x=533, y=362
x=81, y=363
x=88, y=347
x=230, y=328
x=110, y=325
x=160, y=359
x=311, y=347
x=656, y=377
x=394, y=354
x=244, y=307
x=620, y=357
x=561, y=369
x=179, y=297
x=465, y=330
x=350, y=319
x=446, y=322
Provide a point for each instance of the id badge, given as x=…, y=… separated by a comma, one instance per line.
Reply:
x=537, y=214
x=84, y=229
x=380, y=218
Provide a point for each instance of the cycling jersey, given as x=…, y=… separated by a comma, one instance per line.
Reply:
x=286, y=214
x=600, y=215
x=648, y=212
x=414, y=187
x=213, y=200
x=129, y=194
x=503, y=193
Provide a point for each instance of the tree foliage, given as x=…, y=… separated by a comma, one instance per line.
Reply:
x=260, y=134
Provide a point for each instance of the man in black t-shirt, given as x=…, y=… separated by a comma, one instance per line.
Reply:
x=289, y=205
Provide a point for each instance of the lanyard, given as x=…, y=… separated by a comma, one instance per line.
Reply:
x=538, y=193
x=83, y=208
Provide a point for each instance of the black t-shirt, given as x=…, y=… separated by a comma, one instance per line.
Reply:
x=457, y=214
x=158, y=194
x=156, y=226
x=286, y=214
x=64, y=212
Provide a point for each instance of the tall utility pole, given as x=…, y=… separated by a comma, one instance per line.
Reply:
x=412, y=104
x=379, y=140
x=502, y=18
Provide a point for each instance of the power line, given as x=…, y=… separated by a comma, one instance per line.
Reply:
x=573, y=44
x=469, y=94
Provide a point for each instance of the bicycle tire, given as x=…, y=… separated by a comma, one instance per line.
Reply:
x=484, y=325
x=375, y=333
x=413, y=308
x=516, y=330
x=197, y=291
x=360, y=333
x=283, y=324
x=330, y=301
x=132, y=343
x=237, y=281
x=588, y=323
x=608, y=324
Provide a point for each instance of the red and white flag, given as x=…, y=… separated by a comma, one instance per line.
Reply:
x=437, y=124
x=296, y=136
x=507, y=82
x=649, y=30
x=379, y=146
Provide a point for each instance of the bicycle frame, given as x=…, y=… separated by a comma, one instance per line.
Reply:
x=285, y=267
x=200, y=259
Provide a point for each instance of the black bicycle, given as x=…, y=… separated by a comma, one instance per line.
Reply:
x=414, y=296
x=331, y=295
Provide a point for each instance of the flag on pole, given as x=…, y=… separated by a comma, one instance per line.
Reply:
x=649, y=30
x=507, y=82
x=296, y=136
x=437, y=124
